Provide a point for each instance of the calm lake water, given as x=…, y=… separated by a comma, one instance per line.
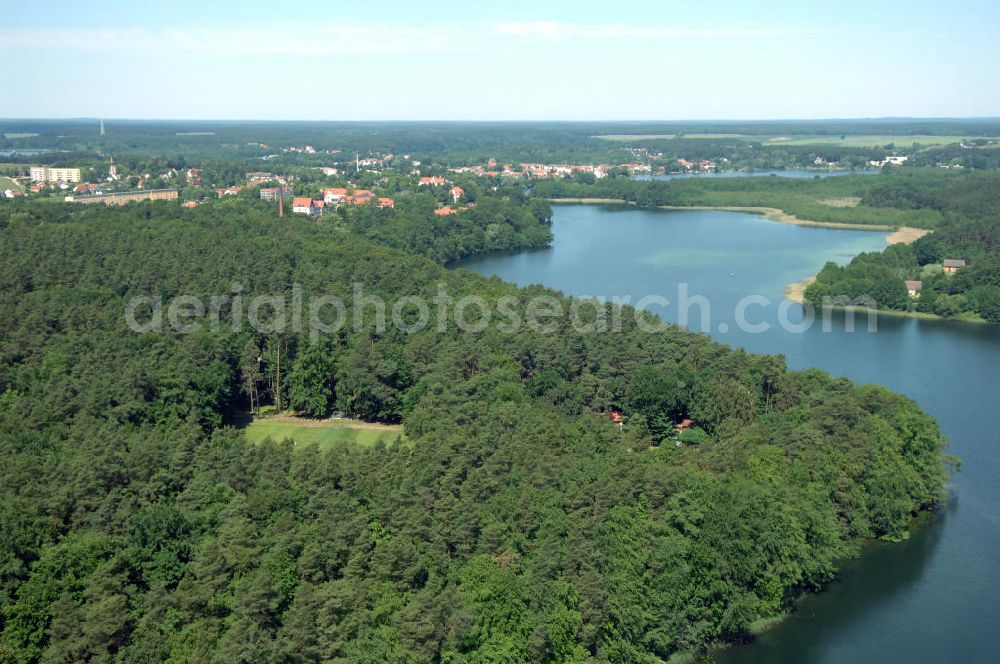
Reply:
x=932, y=598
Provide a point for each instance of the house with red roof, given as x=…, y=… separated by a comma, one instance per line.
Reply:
x=305, y=205
x=444, y=211
x=433, y=181
x=384, y=202
x=228, y=191
x=362, y=197
x=335, y=195
x=456, y=193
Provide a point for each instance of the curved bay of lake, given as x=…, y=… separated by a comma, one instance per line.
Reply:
x=932, y=598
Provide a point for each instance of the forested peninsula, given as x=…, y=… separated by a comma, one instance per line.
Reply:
x=539, y=505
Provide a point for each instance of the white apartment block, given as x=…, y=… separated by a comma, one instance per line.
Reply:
x=45, y=174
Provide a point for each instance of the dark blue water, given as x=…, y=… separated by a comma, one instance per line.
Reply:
x=932, y=598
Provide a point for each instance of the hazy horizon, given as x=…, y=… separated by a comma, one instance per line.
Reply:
x=652, y=121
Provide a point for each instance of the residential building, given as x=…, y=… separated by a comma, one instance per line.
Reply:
x=384, y=202
x=306, y=205
x=362, y=196
x=433, y=181
x=913, y=287
x=444, y=211
x=335, y=195
x=952, y=265
x=228, y=191
x=272, y=193
x=456, y=193
x=46, y=174
x=123, y=197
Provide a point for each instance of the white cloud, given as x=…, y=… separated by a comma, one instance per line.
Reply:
x=242, y=42
x=549, y=30
x=353, y=39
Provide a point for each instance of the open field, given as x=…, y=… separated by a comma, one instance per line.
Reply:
x=7, y=183
x=325, y=433
x=635, y=137
x=900, y=140
x=849, y=141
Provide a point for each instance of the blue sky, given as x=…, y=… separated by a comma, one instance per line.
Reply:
x=512, y=60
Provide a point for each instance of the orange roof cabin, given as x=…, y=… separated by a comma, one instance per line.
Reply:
x=683, y=426
x=189, y=204
x=444, y=211
x=616, y=417
x=384, y=202
x=457, y=193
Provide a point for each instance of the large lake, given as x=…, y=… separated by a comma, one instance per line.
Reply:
x=932, y=598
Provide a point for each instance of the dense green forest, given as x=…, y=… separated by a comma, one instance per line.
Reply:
x=515, y=522
x=840, y=200
x=745, y=145
x=493, y=224
x=969, y=230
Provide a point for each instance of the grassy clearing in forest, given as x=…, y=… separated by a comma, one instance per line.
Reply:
x=325, y=433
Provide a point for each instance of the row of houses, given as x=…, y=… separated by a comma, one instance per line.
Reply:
x=336, y=196
x=456, y=193
x=341, y=196
x=546, y=171
x=703, y=165
x=893, y=160
x=948, y=266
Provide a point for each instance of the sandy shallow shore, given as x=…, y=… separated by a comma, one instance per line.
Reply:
x=906, y=235
x=797, y=292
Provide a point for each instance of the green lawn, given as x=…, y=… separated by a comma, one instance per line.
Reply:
x=7, y=183
x=323, y=433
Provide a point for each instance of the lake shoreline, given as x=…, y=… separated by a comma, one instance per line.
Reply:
x=900, y=234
